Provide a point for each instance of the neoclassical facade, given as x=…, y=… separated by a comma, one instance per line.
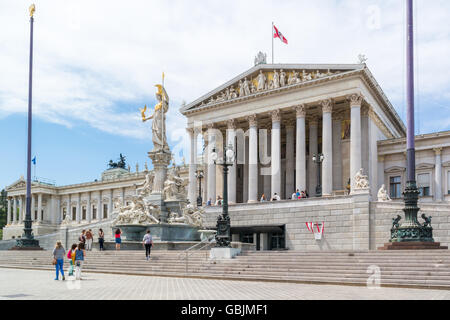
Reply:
x=290, y=114
x=72, y=205
x=277, y=117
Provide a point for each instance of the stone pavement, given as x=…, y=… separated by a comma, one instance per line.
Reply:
x=33, y=284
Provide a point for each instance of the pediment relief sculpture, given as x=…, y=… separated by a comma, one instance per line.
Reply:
x=264, y=80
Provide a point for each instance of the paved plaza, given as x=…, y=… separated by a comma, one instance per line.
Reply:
x=33, y=284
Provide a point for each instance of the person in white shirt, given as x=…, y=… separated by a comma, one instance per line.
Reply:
x=147, y=242
x=275, y=197
x=294, y=196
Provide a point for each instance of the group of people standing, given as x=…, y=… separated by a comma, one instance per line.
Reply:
x=295, y=196
x=75, y=255
x=77, y=252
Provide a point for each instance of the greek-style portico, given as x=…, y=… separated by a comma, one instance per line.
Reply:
x=337, y=110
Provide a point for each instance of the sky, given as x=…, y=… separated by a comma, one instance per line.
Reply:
x=96, y=62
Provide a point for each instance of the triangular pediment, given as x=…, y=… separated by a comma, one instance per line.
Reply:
x=19, y=184
x=424, y=166
x=264, y=79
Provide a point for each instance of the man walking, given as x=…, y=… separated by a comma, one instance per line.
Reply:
x=147, y=243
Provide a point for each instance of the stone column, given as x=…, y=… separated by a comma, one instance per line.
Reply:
x=205, y=167
x=110, y=204
x=79, y=208
x=9, y=212
x=211, y=166
x=33, y=205
x=313, y=149
x=40, y=207
x=267, y=185
x=300, y=149
x=100, y=206
x=276, y=153
x=290, y=162
x=14, y=210
x=338, y=183
x=245, y=167
x=89, y=208
x=381, y=173
x=123, y=196
x=253, y=159
x=355, y=136
x=232, y=171
x=327, y=148
x=192, y=166
x=21, y=207
x=438, y=174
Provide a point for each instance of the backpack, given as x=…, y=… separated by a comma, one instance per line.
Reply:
x=69, y=254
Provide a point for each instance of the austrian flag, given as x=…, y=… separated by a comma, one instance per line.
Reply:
x=278, y=34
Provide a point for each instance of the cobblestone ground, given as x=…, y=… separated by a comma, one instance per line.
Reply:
x=32, y=284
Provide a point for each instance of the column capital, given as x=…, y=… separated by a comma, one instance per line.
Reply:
x=355, y=99
x=252, y=120
x=300, y=111
x=231, y=124
x=327, y=105
x=276, y=115
x=437, y=151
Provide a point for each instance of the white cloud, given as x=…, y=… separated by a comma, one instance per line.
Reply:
x=96, y=62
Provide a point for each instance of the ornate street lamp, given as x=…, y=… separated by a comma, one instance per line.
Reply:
x=223, y=236
x=318, y=159
x=199, y=175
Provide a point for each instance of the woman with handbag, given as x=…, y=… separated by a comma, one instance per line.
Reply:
x=58, y=259
x=80, y=253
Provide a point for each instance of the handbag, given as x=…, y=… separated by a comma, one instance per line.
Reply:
x=54, y=262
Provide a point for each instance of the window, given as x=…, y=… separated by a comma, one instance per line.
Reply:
x=64, y=213
x=94, y=212
x=84, y=213
x=74, y=213
x=105, y=211
x=395, y=187
x=423, y=184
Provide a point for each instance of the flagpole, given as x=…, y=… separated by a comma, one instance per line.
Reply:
x=271, y=33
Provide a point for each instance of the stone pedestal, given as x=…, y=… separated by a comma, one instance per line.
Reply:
x=224, y=253
x=161, y=160
x=413, y=245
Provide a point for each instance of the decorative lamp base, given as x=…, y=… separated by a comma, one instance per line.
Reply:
x=27, y=244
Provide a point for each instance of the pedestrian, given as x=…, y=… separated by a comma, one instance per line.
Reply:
x=118, y=238
x=101, y=238
x=275, y=197
x=89, y=240
x=58, y=259
x=263, y=198
x=294, y=196
x=147, y=242
x=82, y=237
x=71, y=257
x=80, y=253
x=208, y=203
x=298, y=194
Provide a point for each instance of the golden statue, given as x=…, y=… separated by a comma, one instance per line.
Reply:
x=32, y=10
x=158, y=117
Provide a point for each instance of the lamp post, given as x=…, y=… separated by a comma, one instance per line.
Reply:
x=318, y=159
x=199, y=175
x=223, y=236
x=27, y=241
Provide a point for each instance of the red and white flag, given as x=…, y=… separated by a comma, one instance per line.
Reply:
x=278, y=34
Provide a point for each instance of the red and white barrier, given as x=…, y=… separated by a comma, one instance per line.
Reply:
x=316, y=228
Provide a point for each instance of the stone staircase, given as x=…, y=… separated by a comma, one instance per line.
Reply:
x=419, y=269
